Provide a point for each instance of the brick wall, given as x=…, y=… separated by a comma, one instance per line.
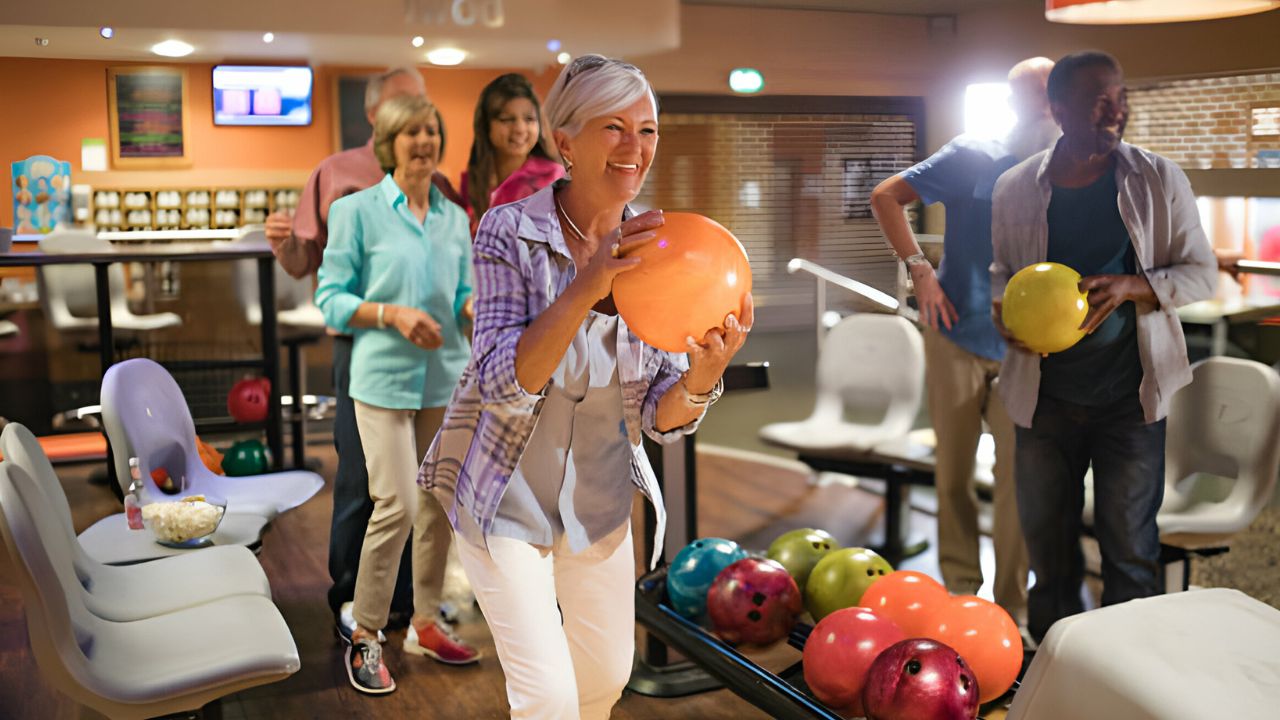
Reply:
x=787, y=186
x=1203, y=123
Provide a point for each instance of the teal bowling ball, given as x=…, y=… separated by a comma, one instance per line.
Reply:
x=247, y=457
x=694, y=569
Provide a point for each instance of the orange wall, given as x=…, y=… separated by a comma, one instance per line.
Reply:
x=69, y=103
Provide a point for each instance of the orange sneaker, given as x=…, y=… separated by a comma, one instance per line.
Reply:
x=437, y=641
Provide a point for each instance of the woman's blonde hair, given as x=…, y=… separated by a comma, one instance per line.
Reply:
x=393, y=117
x=593, y=86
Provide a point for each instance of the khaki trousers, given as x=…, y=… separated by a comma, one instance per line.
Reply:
x=961, y=393
x=394, y=441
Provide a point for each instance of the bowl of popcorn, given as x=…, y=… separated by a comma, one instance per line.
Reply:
x=187, y=522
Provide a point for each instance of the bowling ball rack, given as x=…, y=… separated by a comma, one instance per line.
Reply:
x=782, y=695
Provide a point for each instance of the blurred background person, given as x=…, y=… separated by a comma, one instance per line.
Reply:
x=509, y=156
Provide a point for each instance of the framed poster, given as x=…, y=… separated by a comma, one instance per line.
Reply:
x=352, y=128
x=147, y=113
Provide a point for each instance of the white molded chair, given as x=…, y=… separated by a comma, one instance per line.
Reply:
x=1222, y=456
x=868, y=363
x=130, y=592
x=296, y=311
x=171, y=663
x=1224, y=425
x=146, y=416
x=1198, y=654
x=69, y=295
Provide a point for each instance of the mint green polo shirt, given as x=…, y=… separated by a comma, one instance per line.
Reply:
x=378, y=252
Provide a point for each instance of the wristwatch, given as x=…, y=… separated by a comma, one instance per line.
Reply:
x=707, y=398
x=917, y=259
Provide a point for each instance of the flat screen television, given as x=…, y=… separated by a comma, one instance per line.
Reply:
x=261, y=95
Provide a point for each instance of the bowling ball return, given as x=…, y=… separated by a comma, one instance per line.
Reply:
x=782, y=695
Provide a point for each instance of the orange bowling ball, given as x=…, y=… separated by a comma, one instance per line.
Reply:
x=988, y=640
x=912, y=600
x=693, y=274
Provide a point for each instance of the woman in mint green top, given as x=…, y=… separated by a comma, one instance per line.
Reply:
x=397, y=274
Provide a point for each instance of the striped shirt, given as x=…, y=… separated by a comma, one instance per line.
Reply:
x=521, y=265
x=1159, y=211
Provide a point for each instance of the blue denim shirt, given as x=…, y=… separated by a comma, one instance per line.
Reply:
x=522, y=265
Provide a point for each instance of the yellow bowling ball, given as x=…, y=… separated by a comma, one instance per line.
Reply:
x=1043, y=307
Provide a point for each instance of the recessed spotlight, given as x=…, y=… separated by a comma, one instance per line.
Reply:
x=417, y=41
x=553, y=46
x=446, y=56
x=564, y=58
x=172, y=48
x=268, y=37
x=106, y=32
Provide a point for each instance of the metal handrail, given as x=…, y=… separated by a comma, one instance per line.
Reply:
x=825, y=275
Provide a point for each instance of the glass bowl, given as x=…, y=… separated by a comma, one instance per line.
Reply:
x=184, y=522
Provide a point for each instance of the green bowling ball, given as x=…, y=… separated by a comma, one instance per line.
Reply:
x=840, y=578
x=799, y=550
x=247, y=457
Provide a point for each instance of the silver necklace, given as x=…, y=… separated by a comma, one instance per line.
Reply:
x=572, y=227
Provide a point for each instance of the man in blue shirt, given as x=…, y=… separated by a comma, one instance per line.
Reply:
x=962, y=347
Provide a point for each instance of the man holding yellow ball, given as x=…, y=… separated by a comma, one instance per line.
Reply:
x=1126, y=220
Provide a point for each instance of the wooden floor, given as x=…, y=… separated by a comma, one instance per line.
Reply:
x=741, y=500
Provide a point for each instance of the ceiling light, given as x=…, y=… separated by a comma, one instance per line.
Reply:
x=1120, y=12
x=564, y=58
x=446, y=56
x=417, y=41
x=106, y=33
x=746, y=81
x=553, y=46
x=268, y=37
x=172, y=48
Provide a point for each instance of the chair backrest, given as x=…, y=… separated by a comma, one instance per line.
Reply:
x=22, y=448
x=60, y=627
x=72, y=287
x=1227, y=423
x=872, y=363
x=146, y=416
x=291, y=292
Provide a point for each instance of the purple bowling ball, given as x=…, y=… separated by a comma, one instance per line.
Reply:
x=754, y=601
x=920, y=679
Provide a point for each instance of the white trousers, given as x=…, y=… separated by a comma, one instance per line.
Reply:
x=570, y=669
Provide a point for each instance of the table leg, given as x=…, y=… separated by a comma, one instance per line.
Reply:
x=106, y=346
x=271, y=357
x=296, y=389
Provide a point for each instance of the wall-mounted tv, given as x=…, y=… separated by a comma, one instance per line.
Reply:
x=261, y=95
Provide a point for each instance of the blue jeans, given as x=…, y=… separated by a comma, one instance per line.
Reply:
x=1127, y=454
x=351, y=503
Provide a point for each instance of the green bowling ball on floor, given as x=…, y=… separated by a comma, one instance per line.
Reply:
x=840, y=578
x=799, y=550
x=247, y=457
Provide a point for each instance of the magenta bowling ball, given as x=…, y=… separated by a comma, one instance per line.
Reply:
x=754, y=601
x=920, y=679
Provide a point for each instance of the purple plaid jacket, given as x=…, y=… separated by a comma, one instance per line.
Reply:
x=521, y=266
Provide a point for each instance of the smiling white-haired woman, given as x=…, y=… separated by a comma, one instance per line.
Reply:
x=397, y=274
x=540, y=454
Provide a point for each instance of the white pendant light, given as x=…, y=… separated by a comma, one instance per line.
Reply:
x=1123, y=12
x=446, y=56
x=172, y=48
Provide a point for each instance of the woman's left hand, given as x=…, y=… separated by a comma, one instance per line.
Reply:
x=709, y=358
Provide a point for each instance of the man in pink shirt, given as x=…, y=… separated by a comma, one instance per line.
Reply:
x=298, y=242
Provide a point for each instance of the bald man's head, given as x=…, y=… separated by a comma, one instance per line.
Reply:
x=1027, y=84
